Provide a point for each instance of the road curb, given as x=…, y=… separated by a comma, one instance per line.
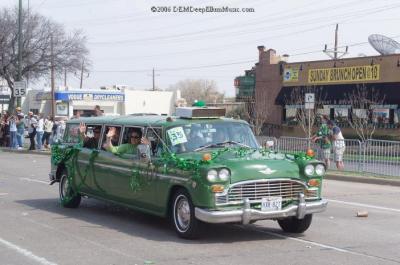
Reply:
x=362, y=179
x=24, y=151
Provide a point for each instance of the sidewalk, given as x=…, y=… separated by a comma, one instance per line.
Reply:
x=362, y=178
x=25, y=151
x=331, y=174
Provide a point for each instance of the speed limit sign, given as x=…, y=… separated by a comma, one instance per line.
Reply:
x=19, y=89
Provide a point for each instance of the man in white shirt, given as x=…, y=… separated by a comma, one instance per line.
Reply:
x=48, y=127
x=40, y=132
x=339, y=145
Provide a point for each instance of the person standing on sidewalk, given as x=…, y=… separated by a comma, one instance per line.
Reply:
x=20, y=130
x=32, y=124
x=48, y=127
x=322, y=138
x=13, y=131
x=339, y=146
x=40, y=132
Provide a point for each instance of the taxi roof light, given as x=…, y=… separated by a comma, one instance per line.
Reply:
x=200, y=112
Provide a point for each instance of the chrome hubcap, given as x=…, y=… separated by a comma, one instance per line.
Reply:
x=182, y=213
x=64, y=186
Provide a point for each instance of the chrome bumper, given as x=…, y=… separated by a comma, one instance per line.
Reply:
x=247, y=214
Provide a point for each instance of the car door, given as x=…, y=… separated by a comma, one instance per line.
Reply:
x=86, y=159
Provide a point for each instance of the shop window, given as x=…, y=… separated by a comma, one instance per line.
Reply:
x=290, y=117
x=360, y=113
x=341, y=115
x=380, y=116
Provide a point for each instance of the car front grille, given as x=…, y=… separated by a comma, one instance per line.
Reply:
x=256, y=190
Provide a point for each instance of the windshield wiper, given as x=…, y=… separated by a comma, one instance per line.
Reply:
x=219, y=144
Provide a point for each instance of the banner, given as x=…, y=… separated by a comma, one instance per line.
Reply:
x=344, y=74
x=291, y=75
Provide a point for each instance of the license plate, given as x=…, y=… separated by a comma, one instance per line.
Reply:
x=271, y=204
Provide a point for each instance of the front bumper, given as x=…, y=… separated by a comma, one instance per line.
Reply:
x=246, y=215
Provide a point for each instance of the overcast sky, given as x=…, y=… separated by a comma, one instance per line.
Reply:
x=126, y=39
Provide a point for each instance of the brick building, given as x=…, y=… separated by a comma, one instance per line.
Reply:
x=334, y=81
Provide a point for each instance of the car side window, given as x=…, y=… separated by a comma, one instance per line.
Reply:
x=71, y=134
x=92, y=136
x=116, y=137
x=128, y=132
x=154, y=135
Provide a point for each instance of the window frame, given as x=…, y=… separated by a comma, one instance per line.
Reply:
x=161, y=136
x=101, y=133
x=103, y=139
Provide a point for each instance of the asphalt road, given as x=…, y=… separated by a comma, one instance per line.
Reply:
x=35, y=229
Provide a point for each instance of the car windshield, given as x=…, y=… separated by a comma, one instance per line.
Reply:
x=202, y=135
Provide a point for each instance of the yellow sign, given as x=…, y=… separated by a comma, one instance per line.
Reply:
x=291, y=75
x=344, y=74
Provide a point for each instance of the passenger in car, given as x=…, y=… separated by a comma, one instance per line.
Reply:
x=135, y=138
x=90, y=142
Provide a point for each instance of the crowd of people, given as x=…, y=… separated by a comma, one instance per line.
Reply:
x=41, y=130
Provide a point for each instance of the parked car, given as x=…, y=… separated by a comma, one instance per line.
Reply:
x=195, y=168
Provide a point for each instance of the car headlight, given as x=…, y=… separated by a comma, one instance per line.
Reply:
x=309, y=170
x=224, y=174
x=320, y=169
x=212, y=175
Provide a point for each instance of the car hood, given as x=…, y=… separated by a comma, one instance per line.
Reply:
x=249, y=164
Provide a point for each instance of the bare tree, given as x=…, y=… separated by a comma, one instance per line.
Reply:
x=256, y=117
x=38, y=34
x=361, y=99
x=198, y=89
x=305, y=118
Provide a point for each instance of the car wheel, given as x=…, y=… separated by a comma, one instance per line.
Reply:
x=185, y=223
x=295, y=225
x=68, y=197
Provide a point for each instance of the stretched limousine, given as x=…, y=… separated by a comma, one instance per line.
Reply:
x=194, y=168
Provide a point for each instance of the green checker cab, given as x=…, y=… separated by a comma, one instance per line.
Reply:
x=194, y=168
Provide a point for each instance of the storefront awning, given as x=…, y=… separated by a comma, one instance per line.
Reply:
x=337, y=94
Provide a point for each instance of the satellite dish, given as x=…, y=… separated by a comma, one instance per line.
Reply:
x=383, y=44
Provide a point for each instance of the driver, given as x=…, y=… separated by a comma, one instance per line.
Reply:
x=135, y=138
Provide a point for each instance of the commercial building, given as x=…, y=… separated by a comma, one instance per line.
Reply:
x=333, y=81
x=111, y=102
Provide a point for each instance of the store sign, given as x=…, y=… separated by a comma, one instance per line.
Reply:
x=291, y=75
x=62, y=108
x=43, y=96
x=90, y=96
x=344, y=74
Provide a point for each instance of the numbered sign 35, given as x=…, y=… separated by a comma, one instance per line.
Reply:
x=19, y=89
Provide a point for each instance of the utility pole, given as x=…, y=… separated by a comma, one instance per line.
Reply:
x=53, y=102
x=19, y=77
x=83, y=62
x=65, y=78
x=333, y=53
x=154, y=79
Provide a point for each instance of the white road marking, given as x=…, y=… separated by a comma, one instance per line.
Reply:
x=26, y=253
x=365, y=205
x=322, y=245
x=35, y=180
x=2, y=194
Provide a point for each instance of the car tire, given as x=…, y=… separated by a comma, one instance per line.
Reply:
x=295, y=225
x=68, y=197
x=183, y=218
